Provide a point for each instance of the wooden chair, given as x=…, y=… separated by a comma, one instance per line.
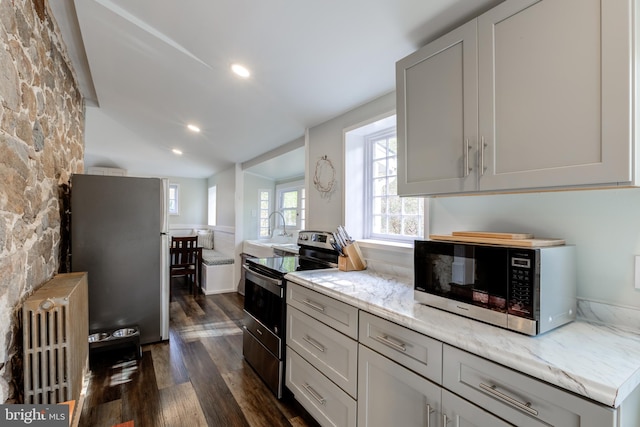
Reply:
x=186, y=259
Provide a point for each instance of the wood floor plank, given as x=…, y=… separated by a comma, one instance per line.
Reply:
x=168, y=363
x=225, y=352
x=140, y=397
x=177, y=314
x=231, y=304
x=258, y=407
x=210, y=308
x=103, y=415
x=180, y=406
x=217, y=402
x=200, y=368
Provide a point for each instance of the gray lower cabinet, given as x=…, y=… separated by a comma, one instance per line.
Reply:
x=348, y=368
x=327, y=403
x=333, y=353
x=517, y=398
x=322, y=355
x=460, y=413
x=392, y=395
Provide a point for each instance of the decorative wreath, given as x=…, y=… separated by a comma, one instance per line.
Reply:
x=324, y=178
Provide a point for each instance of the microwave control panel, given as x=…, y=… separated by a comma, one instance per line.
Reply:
x=522, y=280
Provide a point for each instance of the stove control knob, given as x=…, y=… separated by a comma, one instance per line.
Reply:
x=303, y=237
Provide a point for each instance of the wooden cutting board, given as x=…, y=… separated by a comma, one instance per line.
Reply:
x=526, y=243
x=493, y=235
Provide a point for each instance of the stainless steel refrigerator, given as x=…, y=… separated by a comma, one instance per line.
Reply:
x=119, y=235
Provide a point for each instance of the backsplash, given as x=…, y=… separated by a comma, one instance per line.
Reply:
x=608, y=314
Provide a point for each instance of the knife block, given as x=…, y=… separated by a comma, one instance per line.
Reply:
x=352, y=260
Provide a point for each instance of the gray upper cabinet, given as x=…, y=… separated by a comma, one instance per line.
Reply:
x=531, y=94
x=437, y=111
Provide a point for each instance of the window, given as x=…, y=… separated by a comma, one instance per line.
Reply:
x=173, y=199
x=373, y=210
x=388, y=214
x=291, y=200
x=264, y=197
x=212, y=213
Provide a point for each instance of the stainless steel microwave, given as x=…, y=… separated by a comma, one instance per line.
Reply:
x=528, y=290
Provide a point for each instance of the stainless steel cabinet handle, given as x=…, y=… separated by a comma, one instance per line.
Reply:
x=314, y=343
x=445, y=420
x=467, y=148
x=526, y=407
x=429, y=412
x=313, y=305
x=321, y=400
x=384, y=339
x=483, y=146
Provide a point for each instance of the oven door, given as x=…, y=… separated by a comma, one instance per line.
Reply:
x=264, y=300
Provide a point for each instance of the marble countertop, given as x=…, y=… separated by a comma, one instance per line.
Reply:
x=596, y=361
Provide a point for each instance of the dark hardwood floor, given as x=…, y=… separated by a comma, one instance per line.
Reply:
x=197, y=378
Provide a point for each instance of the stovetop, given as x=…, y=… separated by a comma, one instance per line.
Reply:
x=279, y=264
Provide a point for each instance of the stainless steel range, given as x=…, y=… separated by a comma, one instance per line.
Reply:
x=265, y=308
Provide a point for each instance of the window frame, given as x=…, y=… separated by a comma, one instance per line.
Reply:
x=176, y=190
x=212, y=201
x=268, y=211
x=281, y=189
x=355, y=201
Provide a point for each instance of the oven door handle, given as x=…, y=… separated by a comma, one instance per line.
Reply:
x=269, y=283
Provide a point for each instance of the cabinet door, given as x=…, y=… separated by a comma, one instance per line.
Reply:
x=391, y=395
x=554, y=93
x=460, y=413
x=437, y=115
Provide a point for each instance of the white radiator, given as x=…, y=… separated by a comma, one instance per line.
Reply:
x=55, y=340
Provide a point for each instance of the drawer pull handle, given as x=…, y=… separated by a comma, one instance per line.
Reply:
x=467, y=148
x=314, y=343
x=313, y=305
x=429, y=412
x=321, y=400
x=384, y=339
x=526, y=407
x=483, y=146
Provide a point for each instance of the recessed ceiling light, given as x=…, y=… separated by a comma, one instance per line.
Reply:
x=240, y=70
x=176, y=151
x=193, y=128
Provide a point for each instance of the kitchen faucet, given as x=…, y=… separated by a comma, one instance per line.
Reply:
x=284, y=225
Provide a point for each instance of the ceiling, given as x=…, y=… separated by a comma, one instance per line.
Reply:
x=147, y=68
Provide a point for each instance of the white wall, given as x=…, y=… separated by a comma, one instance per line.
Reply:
x=326, y=139
x=192, y=202
x=252, y=184
x=225, y=182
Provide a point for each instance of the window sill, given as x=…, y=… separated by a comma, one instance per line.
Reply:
x=403, y=247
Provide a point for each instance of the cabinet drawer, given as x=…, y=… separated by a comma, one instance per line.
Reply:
x=332, y=353
x=325, y=401
x=338, y=315
x=518, y=398
x=409, y=348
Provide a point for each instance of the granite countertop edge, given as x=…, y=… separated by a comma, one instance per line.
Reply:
x=596, y=361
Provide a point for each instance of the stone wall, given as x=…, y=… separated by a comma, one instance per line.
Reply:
x=41, y=145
